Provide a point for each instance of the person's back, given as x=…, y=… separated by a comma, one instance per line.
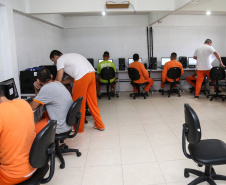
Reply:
x=57, y=100
x=17, y=133
x=103, y=64
x=143, y=72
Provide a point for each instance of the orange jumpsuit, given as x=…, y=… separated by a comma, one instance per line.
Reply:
x=86, y=87
x=167, y=66
x=17, y=133
x=144, y=76
x=191, y=78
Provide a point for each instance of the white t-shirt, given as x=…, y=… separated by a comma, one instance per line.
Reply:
x=205, y=57
x=74, y=65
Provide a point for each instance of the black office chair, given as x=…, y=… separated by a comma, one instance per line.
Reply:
x=217, y=73
x=204, y=90
x=173, y=73
x=42, y=152
x=135, y=75
x=73, y=119
x=108, y=73
x=206, y=152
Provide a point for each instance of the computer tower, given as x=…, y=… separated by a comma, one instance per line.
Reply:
x=121, y=63
x=223, y=60
x=145, y=65
x=91, y=61
x=52, y=69
x=153, y=63
x=184, y=61
x=27, y=78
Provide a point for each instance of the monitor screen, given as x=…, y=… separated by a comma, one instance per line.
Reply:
x=164, y=60
x=131, y=60
x=191, y=61
x=9, y=88
x=100, y=60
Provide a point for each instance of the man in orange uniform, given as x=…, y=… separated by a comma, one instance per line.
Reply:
x=82, y=73
x=167, y=66
x=205, y=55
x=144, y=76
x=190, y=80
x=15, y=142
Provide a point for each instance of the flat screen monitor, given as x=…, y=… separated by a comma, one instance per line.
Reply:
x=100, y=60
x=9, y=88
x=223, y=60
x=131, y=60
x=164, y=60
x=91, y=61
x=191, y=61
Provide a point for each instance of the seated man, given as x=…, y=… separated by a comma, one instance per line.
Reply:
x=144, y=75
x=191, y=78
x=17, y=133
x=100, y=66
x=55, y=97
x=167, y=66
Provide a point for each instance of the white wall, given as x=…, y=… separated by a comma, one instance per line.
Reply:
x=35, y=40
x=184, y=33
x=122, y=36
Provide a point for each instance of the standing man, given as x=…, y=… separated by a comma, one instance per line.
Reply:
x=167, y=66
x=144, y=75
x=17, y=133
x=100, y=66
x=82, y=73
x=205, y=55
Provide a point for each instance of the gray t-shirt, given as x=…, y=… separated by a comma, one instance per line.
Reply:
x=57, y=100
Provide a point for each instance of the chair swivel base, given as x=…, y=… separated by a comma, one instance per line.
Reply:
x=209, y=175
x=64, y=149
x=110, y=94
x=169, y=92
x=215, y=96
x=134, y=95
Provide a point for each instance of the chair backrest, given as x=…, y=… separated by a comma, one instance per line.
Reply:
x=193, y=133
x=217, y=73
x=174, y=73
x=74, y=112
x=133, y=74
x=43, y=145
x=107, y=73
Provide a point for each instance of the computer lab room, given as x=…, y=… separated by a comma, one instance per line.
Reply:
x=112, y=92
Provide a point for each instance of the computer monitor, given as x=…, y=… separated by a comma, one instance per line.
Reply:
x=131, y=60
x=164, y=60
x=91, y=61
x=9, y=88
x=100, y=60
x=223, y=60
x=191, y=62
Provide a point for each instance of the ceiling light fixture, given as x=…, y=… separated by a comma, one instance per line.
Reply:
x=208, y=13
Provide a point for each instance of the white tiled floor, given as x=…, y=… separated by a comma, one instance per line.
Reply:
x=142, y=142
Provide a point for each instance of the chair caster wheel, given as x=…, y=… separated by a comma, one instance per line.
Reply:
x=134, y=97
x=207, y=96
x=179, y=95
x=222, y=99
x=79, y=154
x=144, y=97
x=186, y=174
x=211, y=100
x=62, y=166
x=130, y=95
x=66, y=147
x=200, y=165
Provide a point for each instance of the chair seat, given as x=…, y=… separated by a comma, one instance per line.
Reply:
x=219, y=84
x=37, y=177
x=167, y=82
x=107, y=83
x=62, y=136
x=139, y=83
x=209, y=152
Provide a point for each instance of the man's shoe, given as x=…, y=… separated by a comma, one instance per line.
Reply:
x=100, y=129
x=196, y=97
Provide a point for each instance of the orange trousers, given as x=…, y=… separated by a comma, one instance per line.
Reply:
x=4, y=180
x=200, y=78
x=86, y=87
x=150, y=82
x=189, y=80
x=42, y=123
x=98, y=84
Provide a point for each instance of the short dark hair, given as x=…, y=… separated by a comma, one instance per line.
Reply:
x=173, y=55
x=208, y=41
x=106, y=54
x=136, y=57
x=55, y=52
x=44, y=75
x=1, y=91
